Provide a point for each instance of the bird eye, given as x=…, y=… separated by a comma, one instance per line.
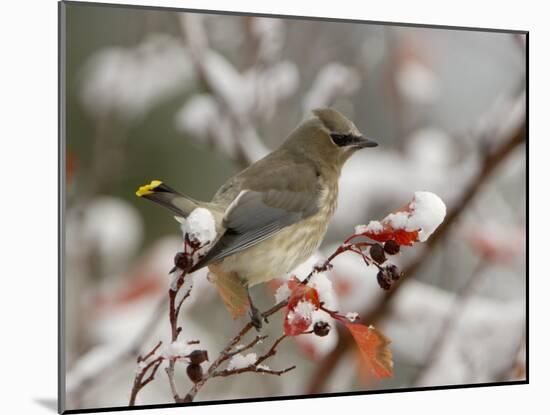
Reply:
x=342, y=140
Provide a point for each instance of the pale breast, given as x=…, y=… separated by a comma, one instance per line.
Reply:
x=287, y=249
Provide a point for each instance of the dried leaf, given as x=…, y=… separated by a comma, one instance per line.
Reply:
x=373, y=347
x=231, y=290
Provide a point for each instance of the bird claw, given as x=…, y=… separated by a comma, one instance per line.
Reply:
x=255, y=314
x=256, y=318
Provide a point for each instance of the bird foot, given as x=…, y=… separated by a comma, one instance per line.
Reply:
x=255, y=315
x=256, y=318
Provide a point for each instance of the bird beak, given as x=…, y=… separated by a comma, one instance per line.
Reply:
x=364, y=142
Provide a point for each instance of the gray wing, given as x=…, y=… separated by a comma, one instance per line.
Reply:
x=257, y=215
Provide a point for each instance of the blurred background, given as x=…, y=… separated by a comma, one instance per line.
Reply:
x=191, y=99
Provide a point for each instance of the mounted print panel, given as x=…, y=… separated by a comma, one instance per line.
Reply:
x=280, y=207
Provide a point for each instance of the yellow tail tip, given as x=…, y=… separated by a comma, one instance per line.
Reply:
x=148, y=188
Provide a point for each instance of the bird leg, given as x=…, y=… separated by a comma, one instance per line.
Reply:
x=255, y=314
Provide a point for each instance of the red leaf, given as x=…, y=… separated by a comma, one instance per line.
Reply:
x=388, y=232
x=401, y=236
x=301, y=292
x=297, y=323
x=295, y=326
x=421, y=216
x=374, y=349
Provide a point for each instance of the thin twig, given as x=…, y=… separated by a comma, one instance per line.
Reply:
x=171, y=380
x=173, y=313
x=255, y=367
x=151, y=353
x=272, y=351
x=250, y=345
x=140, y=382
x=227, y=352
x=252, y=368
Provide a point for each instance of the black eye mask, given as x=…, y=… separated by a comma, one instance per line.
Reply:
x=343, y=140
x=358, y=141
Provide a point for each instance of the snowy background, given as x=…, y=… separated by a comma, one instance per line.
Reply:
x=191, y=99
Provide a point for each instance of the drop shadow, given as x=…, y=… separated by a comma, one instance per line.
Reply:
x=48, y=403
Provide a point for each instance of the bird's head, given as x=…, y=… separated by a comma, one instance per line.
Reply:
x=329, y=138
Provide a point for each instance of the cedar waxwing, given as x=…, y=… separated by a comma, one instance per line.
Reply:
x=273, y=215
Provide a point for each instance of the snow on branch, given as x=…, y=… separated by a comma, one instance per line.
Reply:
x=145, y=367
x=414, y=222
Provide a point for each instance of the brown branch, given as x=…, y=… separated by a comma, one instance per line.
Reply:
x=250, y=345
x=184, y=260
x=173, y=312
x=187, y=294
x=256, y=366
x=272, y=351
x=172, y=381
x=228, y=351
x=173, y=309
x=140, y=381
x=489, y=164
x=252, y=368
x=346, y=246
x=151, y=353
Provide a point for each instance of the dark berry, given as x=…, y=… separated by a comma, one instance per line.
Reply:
x=194, y=372
x=383, y=280
x=377, y=253
x=196, y=357
x=393, y=272
x=181, y=260
x=321, y=328
x=391, y=247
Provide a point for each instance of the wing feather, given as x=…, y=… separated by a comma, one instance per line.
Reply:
x=255, y=215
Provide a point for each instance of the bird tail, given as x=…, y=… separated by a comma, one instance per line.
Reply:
x=165, y=196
